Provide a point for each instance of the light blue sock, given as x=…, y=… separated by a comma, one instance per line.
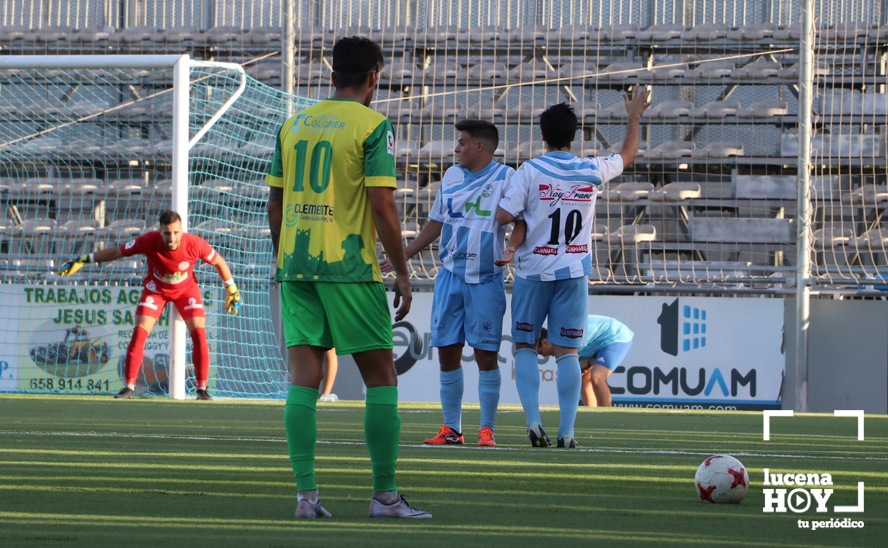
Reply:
x=568, y=384
x=451, y=398
x=488, y=394
x=527, y=380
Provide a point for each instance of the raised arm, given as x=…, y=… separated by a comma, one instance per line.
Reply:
x=429, y=233
x=388, y=227
x=635, y=107
x=71, y=267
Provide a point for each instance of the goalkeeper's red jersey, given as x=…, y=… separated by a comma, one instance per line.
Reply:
x=169, y=272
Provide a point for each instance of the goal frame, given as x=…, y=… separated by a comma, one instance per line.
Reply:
x=182, y=143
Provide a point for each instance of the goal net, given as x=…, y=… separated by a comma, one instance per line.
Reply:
x=86, y=160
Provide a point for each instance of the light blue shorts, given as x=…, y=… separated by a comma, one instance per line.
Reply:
x=565, y=302
x=470, y=313
x=612, y=355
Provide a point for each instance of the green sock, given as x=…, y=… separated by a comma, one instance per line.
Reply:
x=301, y=424
x=382, y=430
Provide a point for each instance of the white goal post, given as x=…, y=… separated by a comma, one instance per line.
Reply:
x=181, y=143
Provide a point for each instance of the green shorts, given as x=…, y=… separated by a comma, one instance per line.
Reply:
x=351, y=317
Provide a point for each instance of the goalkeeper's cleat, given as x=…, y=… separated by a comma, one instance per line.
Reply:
x=399, y=509
x=447, y=436
x=485, y=437
x=125, y=394
x=567, y=442
x=202, y=394
x=233, y=300
x=306, y=509
x=537, y=436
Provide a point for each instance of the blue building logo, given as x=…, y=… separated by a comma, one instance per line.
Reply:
x=682, y=328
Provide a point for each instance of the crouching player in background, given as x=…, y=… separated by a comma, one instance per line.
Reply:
x=470, y=295
x=555, y=194
x=172, y=255
x=607, y=343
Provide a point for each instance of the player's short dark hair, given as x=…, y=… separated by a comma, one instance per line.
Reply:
x=168, y=217
x=558, y=124
x=353, y=60
x=481, y=130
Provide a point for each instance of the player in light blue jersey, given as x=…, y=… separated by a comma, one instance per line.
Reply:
x=607, y=343
x=555, y=195
x=470, y=296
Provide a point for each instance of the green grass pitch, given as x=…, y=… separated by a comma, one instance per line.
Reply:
x=93, y=471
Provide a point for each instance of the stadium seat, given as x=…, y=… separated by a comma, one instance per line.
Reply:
x=397, y=36
x=622, y=71
x=219, y=35
x=831, y=237
x=761, y=231
x=443, y=70
x=758, y=70
x=437, y=36
x=397, y=111
x=440, y=151
x=124, y=229
x=706, y=32
x=587, y=149
x=618, y=146
x=675, y=192
x=488, y=71
x=48, y=34
x=531, y=34
x=873, y=240
x=526, y=110
x=821, y=68
x=313, y=70
x=534, y=70
x=78, y=236
x=442, y=108
x=585, y=109
x=752, y=31
x=32, y=236
x=133, y=35
x=487, y=111
x=125, y=187
x=483, y=34
x=660, y=33
x=10, y=33
x=616, y=111
x=789, y=33
x=79, y=187
x=765, y=187
x=667, y=72
x=265, y=72
x=711, y=70
x=577, y=33
x=218, y=232
x=866, y=195
x=308, y=36
x=835, y=146
x=848, y=31
x=39, y=147
x=632, y=235
x=667, y=110
x=627, y=192
x=617, y=33
x=91, y=34
x=400, y=69
x=577, y=70
x=763, y=109
x=671, y=150
x=718, y=150
x=716, y=110
x=175, y=35
x=406, y=151
x=260, y=35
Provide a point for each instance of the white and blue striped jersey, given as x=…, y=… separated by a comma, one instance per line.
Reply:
x=471, y=239
x=555, y=194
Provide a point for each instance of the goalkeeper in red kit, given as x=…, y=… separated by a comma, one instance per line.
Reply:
x=171, y=256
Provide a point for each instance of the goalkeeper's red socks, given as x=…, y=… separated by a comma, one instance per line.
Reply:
x=135, y=352
x=200, y=357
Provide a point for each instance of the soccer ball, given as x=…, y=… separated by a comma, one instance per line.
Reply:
x=722, y=478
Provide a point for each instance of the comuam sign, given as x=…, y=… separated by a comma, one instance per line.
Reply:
x=688, y=353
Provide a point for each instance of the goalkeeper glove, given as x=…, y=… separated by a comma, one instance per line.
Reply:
x=233, y=300
x=71, y=267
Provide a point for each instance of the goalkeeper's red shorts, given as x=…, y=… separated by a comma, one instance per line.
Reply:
x=188, y=302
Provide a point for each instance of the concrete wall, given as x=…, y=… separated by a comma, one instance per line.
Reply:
x=847, y=356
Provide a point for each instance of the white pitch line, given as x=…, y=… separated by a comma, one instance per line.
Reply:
x=435, y=447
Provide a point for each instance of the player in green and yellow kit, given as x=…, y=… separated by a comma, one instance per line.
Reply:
x=332, y=188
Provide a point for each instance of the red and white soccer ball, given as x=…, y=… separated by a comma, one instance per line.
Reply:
x=722, y=479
